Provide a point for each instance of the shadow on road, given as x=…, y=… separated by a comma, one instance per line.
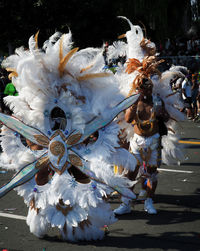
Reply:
x=190, y=164
x=175, y=210
x=165, y=241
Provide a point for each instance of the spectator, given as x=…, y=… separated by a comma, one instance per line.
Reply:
x=10, y=91
x=187, y=96
x=195, y=91
x=3, y=82
x=105, y=53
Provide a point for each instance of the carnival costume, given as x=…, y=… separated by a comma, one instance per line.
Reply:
x=66, y=108
x=142, y=65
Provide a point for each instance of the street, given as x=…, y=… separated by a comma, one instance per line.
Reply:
x=175, y=227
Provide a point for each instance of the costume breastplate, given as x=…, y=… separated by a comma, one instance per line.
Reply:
x=146, y=126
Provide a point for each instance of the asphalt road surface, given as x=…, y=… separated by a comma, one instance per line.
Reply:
x=175, y=227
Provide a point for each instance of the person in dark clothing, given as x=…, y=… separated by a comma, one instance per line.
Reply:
x=105, y=53
x=3, y=81
x=195, y=91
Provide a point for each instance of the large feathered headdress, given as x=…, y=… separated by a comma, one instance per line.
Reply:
x=146, y=69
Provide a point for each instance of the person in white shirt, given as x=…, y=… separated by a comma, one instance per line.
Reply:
x=187, y=96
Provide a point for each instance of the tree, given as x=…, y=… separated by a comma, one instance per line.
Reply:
x=91, y=21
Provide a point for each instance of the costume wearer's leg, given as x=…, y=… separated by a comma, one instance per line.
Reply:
x=132, y=175
x=151, y=188
x=148, y=152
x=152, y=181
x=120, y=169
x=189, y=108
x=143, y=191
x=124, y=164
x=139, y=153
x=125, y=207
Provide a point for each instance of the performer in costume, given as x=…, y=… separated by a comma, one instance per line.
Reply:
x=61, y=139
x=154, y=115
x=147, y=116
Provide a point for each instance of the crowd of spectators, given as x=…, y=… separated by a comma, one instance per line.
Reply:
x=180, y=51
x=184, y=52
x=179, y=47
x=189, y=89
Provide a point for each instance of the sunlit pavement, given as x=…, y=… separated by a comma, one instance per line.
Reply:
x=175, y=227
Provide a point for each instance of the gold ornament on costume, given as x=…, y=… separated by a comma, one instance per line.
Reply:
x=75, y=160
x=42, y=140
x=74, y=139
x=58, y=132
x=57, y=148
x=58, y=171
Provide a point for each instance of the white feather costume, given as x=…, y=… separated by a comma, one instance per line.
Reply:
x=46, y=79
x=133, y=49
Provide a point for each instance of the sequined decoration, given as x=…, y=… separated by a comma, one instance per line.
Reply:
x=73, y=182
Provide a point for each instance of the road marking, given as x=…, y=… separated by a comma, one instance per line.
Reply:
x=189, y=142
x=173, y=170
x=13, y=216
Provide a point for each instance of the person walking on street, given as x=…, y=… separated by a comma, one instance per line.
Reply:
x=187, y=96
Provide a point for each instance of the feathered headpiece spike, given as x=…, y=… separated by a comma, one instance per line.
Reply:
x=147, y=67
x=129, y=22
x=94, y=75
x=131, y=26
x=64, y=60
x=86, y=68
x=12, y=74
x=121, y=36
x=36, y=39
x=144, y=28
